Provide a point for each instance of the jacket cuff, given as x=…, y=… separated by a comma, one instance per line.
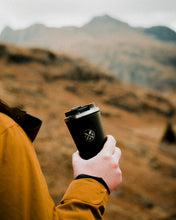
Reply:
x=100, y=180
x=87, y=190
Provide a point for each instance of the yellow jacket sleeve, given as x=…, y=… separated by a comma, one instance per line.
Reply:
x=85, y=199
x=23, y=190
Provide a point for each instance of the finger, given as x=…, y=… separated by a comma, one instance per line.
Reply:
x=117, y=154
x=109, y=146
x=120, y=174
x=116, y=157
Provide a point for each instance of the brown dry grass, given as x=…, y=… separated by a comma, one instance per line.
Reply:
x=149, y=185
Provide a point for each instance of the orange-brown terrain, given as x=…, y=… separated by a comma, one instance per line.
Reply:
x=47, y=85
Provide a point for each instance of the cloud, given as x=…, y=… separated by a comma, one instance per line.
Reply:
x=20, y=13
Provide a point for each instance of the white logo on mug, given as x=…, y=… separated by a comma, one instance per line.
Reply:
x=89, y=135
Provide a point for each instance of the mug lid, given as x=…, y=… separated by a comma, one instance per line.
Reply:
x=80, y=111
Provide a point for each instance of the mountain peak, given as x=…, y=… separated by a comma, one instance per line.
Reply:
x=8, y=28
x=105, y=20
x=37, y=25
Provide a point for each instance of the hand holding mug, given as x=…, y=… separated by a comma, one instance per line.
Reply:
x=104, y=165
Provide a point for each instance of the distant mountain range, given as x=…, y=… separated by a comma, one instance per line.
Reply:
x=146, y=56
x=98, y=25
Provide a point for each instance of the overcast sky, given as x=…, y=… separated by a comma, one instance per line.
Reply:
x=22, y=13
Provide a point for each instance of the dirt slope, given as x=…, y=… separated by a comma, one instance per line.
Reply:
x=48, y=84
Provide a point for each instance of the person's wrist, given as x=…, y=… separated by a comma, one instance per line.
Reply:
x=99, y=179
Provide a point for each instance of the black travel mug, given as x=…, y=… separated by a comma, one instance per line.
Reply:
x=86, y=128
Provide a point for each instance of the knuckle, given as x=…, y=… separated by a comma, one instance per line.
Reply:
x=115, y=165
x=106, y=157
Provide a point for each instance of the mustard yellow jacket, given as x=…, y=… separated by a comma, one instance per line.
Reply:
x=24, y=193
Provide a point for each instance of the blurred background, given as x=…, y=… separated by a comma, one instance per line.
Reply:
x=121, y=55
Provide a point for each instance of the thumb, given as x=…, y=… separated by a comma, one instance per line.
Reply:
x=75, y=156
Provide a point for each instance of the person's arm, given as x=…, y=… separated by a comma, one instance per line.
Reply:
x=86, y=196
x=84, y=199
x=23, y=190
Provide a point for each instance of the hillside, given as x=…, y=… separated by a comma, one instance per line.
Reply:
x=133, y=54
x=162, y=33
x=47, y=85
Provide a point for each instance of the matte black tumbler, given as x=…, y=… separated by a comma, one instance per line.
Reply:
x=86, y=128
